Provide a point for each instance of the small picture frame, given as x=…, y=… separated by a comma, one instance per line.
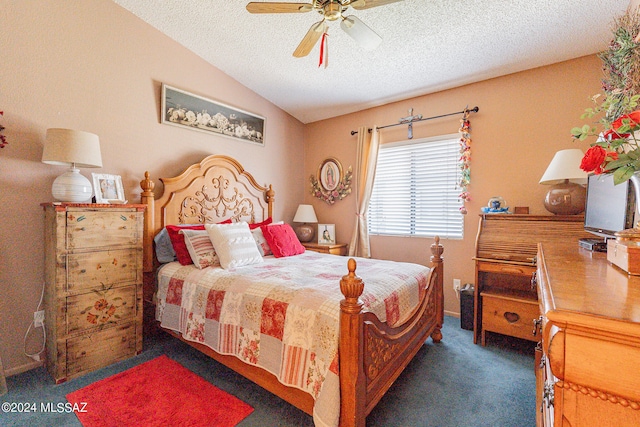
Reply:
x=326, y=234
x=108, y=188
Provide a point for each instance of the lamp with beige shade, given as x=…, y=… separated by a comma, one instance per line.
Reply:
x=567, y=194
x=66, y=147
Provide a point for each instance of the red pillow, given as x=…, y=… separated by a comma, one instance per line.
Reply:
x=260, y=224
x=177, y=240
x=282, y=240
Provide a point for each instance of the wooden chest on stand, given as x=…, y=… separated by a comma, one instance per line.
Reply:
x=93, y=286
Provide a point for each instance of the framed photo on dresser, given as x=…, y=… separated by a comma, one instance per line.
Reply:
x=326, y=234
x=108, y=188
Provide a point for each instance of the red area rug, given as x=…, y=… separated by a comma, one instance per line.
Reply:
x=160, y=392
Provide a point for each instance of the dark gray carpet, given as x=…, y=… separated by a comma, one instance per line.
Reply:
x=451, y=384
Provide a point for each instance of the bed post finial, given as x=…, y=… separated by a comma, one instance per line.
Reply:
x=271, y=197
x=436, y=249
x=146, y=184
x=351, y=287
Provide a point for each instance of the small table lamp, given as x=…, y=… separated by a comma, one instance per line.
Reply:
x=66, y=147
x=305, y=214
x=566, y=196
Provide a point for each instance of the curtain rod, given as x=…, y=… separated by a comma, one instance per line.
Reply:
x=474, y=110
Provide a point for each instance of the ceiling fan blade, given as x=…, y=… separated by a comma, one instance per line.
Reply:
x=278, y=7
x=368, y=4
x=310, y=39
x=360, y=32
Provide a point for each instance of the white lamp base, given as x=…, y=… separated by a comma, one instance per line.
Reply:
x=72, y=187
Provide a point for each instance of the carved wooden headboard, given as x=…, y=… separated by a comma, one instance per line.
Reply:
x=211, y=191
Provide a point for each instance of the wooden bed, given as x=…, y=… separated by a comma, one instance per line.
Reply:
x=372, y=355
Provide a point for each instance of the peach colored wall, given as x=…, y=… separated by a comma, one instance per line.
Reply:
x=524, y=119
x=93, y=66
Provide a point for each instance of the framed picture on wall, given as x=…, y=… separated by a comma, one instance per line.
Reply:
x=184, y=109
x=330, y=174
x=326, y=234
x=108, y=188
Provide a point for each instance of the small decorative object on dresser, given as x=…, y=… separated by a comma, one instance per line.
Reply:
x=93, y=286
x=496, y=204
x=108, y=188
x=77, y=149
x=326, y=234
x=305, y=214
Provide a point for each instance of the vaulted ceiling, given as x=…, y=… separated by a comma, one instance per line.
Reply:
x=428, y=46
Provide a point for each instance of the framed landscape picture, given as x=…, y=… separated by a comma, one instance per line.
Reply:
x=184, y=109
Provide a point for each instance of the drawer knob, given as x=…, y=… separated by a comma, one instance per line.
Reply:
x=511, y=317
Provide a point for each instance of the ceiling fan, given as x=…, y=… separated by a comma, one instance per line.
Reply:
x=331, y=10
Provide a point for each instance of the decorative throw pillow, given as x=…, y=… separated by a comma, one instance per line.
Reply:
x=260, y=224
x=200, y=248
x=234, y=244
x=261, y=242
x=177, y=240
x=282, y=240
x=164, y=248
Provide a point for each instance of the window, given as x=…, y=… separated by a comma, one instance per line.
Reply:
x=415, y=192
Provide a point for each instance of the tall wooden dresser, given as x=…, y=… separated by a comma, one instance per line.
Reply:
x=588, y=370
x=93, y=286
x=505, y=301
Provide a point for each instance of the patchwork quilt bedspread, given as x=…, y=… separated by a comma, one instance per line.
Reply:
x=283, y=314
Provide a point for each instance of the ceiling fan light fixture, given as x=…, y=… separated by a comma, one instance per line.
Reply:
x=332, y=11
x=360, y=32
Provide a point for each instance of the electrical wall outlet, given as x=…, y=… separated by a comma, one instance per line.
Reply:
x=38, y=319
x=456, y=285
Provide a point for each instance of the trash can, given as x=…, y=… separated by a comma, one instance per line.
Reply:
x=466, y=307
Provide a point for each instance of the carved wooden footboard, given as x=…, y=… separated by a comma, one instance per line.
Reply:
x=372, y=354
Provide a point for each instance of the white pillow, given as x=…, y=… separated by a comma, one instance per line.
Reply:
x=261, y=242
x=234, y=244
x=200, y=248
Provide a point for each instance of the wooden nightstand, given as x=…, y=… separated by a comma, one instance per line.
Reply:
x=93, y=292
x=337, y=249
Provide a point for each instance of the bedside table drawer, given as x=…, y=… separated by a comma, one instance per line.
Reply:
x=98, y=229
x=102, y=348
x=102, y=269
x=100, y=308
x=509, y=316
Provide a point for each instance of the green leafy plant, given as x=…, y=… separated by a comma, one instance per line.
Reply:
x=616, y=149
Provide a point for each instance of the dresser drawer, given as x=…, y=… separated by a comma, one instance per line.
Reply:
x=100, y=308
x=504, y=268
x=509, y=315
x=102, y=348
x=102, y=269
x=98, y=229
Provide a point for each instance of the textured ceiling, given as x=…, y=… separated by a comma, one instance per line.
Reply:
x=428, y=46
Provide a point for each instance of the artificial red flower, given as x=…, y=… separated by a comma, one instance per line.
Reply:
x=593, y=159
x=633, y=117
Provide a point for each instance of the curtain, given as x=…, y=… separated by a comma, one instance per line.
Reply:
x=367, y=157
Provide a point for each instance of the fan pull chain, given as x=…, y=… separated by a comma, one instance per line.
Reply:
x=324, y=50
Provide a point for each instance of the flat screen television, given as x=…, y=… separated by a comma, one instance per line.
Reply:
x=609, y=207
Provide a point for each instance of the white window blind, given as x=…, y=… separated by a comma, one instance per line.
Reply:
x=415, y=192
